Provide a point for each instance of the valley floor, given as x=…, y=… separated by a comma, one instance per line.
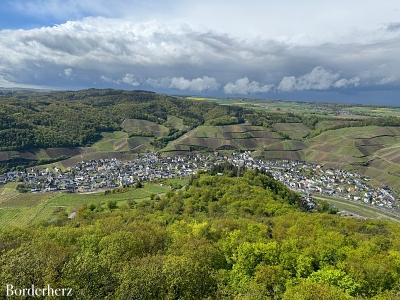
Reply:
x=101, y=181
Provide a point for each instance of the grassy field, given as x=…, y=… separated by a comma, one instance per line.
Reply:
x=21, y=210
x=144, y=127
x=332, y=124
x=175, y=123
x=112, y=141
x=295, y=131
x=301, y=107
x=376, y=111
x=360, y=209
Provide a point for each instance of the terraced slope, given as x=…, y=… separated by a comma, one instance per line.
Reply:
x=352, y=144
x=287, y=150
x=118, y=144
x=371, y=150
x=229, y=137
x=332, y=124
x=112, y=141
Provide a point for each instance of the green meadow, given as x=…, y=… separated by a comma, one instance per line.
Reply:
x=24, y=209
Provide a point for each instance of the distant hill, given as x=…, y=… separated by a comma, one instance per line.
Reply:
x=31, y=120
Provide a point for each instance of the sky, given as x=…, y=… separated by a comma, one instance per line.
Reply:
x=316, y=50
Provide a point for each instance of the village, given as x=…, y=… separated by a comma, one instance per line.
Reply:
x=310, y=179
x=105, y=174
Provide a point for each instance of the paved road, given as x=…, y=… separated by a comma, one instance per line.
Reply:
x=360, y=208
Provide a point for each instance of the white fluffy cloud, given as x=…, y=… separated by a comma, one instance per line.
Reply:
x=244, y=86
x=68, y=72
x=184, y=59
x=284, y=19
x=318, y=79
x=200, y=84
x=130, y=79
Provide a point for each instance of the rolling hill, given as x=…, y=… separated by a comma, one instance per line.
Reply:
x=370, y=150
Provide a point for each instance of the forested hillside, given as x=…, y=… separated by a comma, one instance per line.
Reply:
x=221, y=237
x=31, y=119
x=66, y=119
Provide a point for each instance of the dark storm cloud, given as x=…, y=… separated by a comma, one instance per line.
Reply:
x=104, y=52
x=393, y=27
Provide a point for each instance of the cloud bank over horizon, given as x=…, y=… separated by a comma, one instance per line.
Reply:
x=178, y=57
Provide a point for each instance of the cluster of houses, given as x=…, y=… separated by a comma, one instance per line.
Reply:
x=310, y=179
x=104, y=174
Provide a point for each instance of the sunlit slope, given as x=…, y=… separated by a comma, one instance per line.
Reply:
x=229, y=137
x=112, y=141
x=371, y=150
x=26, y=209
x=136, y=136
x=144, y=128
x=295, y=131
